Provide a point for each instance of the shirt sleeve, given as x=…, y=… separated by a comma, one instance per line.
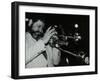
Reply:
x=56, y=56
x=32, y=51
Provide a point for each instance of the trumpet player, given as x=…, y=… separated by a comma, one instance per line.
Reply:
x=38, y=51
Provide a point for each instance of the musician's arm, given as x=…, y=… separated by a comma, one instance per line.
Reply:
x=56, y=56
x=32, y=51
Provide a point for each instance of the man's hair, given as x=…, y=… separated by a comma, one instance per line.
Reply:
x=34, y=19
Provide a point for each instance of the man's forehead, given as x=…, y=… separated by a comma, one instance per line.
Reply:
x=38, y=22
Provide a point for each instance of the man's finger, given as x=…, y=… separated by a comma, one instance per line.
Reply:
x=48, y=29
x=53, y=34
x=52, y=30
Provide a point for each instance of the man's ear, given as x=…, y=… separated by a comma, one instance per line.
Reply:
x=30, y=22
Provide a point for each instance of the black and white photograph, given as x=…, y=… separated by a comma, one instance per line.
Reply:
x=51, y=40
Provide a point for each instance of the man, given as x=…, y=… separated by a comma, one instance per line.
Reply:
x=38, y=51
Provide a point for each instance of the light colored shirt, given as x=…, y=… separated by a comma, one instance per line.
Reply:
x=34, y=56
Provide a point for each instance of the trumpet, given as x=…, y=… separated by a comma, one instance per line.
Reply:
x=60, y=39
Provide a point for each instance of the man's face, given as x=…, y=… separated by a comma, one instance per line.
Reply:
x=37, y=28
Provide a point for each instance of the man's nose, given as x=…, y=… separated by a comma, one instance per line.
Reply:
x=40, y=30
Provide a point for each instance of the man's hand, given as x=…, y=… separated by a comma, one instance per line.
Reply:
x=48, y=34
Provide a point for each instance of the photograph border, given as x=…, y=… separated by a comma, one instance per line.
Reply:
x=15, y=39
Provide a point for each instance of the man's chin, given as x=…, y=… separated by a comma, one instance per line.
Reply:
x=37, y=37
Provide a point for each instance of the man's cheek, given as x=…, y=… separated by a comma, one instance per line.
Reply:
x=34, y=28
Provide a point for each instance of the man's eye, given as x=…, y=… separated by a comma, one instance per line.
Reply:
x=39, y=26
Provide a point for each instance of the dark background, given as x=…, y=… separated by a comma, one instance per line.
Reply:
x=67, y=21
